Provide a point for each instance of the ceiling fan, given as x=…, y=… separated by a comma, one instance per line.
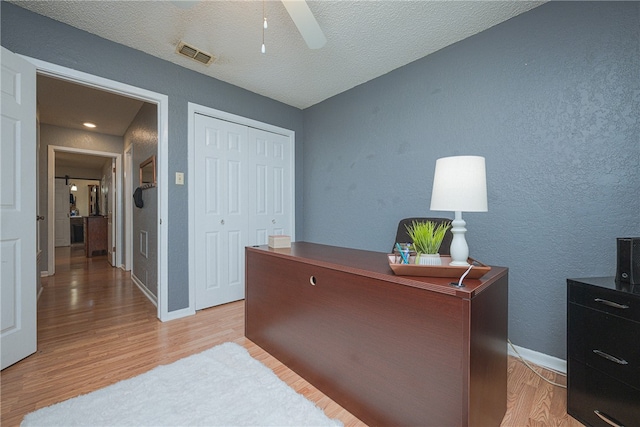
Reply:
x=300, y=14
x=305, y=21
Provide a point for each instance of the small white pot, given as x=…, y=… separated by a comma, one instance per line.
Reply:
x=430, y=259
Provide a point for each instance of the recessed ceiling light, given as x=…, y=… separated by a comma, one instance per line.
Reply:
x=89, y=124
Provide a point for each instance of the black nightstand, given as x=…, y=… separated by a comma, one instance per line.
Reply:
x=603, y=352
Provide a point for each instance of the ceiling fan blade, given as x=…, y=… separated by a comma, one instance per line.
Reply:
x=306, y=23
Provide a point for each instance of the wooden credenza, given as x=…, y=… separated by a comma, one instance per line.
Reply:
x=393, y=350
x=95, y=235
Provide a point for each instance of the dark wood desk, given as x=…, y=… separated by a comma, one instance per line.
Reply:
x=393, y=350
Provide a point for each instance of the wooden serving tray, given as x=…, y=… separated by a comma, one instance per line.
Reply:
x=445, y=270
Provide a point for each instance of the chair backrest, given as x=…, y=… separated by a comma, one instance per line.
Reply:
x=403, y=237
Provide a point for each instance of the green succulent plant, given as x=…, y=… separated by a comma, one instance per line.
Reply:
x=427, y=236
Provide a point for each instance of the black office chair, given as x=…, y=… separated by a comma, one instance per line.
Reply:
x=403, y=237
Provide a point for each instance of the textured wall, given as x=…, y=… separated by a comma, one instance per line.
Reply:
x=143, y=135
x=551, y=99
x=33, y=35
x=64, y=137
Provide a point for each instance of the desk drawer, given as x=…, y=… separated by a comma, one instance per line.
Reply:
x=591, y=392
x=622, y=304
x=605, y=342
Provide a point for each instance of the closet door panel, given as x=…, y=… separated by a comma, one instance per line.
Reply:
x=242, y=192
x=270, y=190
x=221, y=212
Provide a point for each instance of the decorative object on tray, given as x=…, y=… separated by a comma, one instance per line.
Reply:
x=402, y=252
x=279, y=241
x=459, y=184
x=427, y=238
x=445, y=270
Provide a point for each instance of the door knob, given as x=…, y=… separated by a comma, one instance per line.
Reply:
x=39, y=217
x=273, y=221
x=222, y=221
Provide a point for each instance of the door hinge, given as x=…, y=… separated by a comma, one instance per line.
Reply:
x=114, y=249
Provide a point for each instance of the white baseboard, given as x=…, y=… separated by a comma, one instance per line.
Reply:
x=540, y=359
x=44, y=273
x=144, y=290
x=177, y=314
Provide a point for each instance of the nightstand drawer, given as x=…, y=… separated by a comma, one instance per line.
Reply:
x=590, y=392
x=622, y=304
x=605, y=342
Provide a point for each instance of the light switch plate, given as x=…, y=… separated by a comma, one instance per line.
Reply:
x=179, y=178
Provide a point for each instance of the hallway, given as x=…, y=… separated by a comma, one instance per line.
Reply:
x=95, y=327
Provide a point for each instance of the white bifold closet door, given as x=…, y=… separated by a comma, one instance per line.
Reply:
x=270, y=185
x=242, y=195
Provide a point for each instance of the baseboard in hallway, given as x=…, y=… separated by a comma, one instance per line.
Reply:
x=144, y=289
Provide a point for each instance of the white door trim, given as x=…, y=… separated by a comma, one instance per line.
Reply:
x=194, y=109
x=162, y=102
x=128, y=214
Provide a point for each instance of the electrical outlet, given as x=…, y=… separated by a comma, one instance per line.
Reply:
x=179, y=178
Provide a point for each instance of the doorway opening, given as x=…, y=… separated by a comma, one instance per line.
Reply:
x=119, y=205
x=77, y=192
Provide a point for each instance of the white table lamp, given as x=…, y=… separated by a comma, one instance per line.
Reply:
x=459, y=184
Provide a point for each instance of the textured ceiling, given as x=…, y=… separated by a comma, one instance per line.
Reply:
x=366, y=39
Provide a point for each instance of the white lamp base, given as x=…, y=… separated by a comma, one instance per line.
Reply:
x=459, y=249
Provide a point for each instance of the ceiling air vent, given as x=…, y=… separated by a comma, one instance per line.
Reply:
x=194, y=53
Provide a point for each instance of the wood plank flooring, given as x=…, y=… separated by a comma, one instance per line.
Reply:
x=95, y=328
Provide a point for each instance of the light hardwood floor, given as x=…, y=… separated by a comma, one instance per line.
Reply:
x=96, y=328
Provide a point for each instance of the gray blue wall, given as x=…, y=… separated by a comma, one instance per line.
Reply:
x=142, y=134
x=551, y=98
x=33, y=35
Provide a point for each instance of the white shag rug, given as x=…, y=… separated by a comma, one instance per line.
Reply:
x=222, y=386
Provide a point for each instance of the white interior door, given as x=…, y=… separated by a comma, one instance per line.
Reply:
x=220, y=211
x=270, y=182
x=17, y=209
x=63, y=223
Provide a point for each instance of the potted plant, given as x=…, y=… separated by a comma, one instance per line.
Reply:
x=427, y=238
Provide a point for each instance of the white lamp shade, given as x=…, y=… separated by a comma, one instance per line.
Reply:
x=460, y=185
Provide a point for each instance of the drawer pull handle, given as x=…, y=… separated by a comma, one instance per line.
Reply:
x=610, y=303
x=610, y=357
x=607, y=419
x=312, y=280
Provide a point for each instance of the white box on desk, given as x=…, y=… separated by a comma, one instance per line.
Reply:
x=279, y=241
